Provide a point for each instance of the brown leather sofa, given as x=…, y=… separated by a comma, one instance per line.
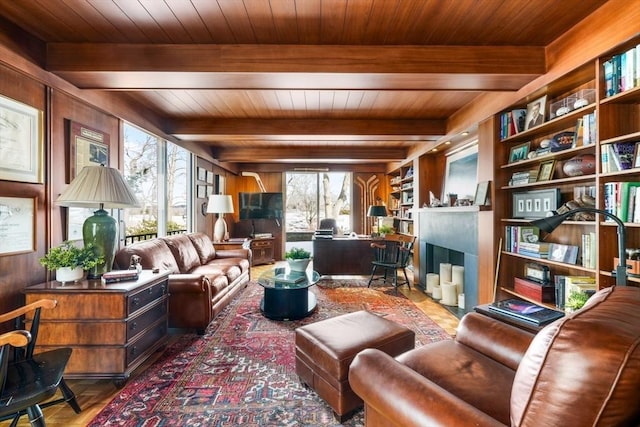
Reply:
x=582, y=370
x=203, y=280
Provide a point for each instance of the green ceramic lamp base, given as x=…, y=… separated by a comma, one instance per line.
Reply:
x=101, y=230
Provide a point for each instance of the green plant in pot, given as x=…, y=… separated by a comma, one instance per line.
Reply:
x=576, y=300
x=298, y=259
x=383, y=230
x=70, y=261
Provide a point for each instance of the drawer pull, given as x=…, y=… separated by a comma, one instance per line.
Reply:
x=134, y=326
x=134, y=350
x=136, y=301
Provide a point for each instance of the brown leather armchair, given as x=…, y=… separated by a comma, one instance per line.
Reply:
x=582, y=370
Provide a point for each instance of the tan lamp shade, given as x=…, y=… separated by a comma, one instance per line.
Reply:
x=98, y=186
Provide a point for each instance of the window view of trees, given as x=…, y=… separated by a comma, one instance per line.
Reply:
x=143, y=168
x=314, y=196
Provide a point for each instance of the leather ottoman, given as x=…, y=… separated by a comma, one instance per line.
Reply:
x=325, y=349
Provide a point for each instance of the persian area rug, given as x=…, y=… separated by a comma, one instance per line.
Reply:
x=242, y=371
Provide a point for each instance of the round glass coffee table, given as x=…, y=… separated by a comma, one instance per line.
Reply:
x=286, y=293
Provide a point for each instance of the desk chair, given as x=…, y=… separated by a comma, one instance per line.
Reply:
x=329, y=224
x=21, y=394
x=391, y=254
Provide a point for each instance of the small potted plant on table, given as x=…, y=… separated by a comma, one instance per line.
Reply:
x=70, y=261
x=298, y=259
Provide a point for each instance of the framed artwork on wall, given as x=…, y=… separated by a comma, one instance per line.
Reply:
x=17, y=225
x=21, y=142
x=87, y=146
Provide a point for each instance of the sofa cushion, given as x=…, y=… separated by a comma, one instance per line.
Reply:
x=204, y=247
x=466, y=373
x=184, y=252
x=231, y=270
x=153, y=253
x=588, y=361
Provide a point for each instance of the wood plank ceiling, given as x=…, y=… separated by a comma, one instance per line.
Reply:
x=299, y=80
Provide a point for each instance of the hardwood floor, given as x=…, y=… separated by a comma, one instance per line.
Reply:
x=93, y=395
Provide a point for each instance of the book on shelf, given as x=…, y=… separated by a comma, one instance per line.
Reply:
x=527, y=311
x=621, y=200
x=589, y=245
x=621, y=72
x=589, y=128
x=518, y=235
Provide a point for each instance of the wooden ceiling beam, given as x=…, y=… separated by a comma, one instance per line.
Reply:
x=110, y=57
x=251, y=128
x=309, y=154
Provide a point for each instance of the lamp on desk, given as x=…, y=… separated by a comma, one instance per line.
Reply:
x=377, y=211
x=101, y=187
x=220, y=204
x=550, y=223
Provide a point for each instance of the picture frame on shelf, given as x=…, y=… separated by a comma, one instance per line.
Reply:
x=536, y=112
x=519, y=152
x=567, y=254
x=536, y=203
x=87, y=146
x=21, y=142
x=482, y=196
x=545, y=172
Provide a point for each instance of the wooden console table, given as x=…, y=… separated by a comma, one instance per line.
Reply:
x=343, y=256
x=112, y=328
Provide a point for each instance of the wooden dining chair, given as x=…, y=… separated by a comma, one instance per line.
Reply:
x=392, y=254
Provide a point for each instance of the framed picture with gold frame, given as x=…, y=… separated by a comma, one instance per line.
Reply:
x=87, y=146
x=21, y=142
x=545, y=172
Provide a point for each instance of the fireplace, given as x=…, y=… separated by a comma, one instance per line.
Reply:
x=450, y=235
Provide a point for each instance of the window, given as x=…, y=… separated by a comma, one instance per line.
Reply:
x=313, y=196
x=158, y=173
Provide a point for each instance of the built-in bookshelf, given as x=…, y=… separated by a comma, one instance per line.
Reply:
x=401, y=200
x=585, y=153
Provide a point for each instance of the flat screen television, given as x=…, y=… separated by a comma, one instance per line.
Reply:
x=260, y=205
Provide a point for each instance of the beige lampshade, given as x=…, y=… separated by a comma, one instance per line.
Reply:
x=98, y=186
x=220, y=203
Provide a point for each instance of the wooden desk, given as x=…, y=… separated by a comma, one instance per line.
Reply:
x=343, y=256
x=112, y=328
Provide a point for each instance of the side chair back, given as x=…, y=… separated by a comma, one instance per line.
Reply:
x=392, y=254
x=21, y=370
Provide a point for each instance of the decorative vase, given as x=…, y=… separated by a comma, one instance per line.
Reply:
x=298, y=264
x=67, y=274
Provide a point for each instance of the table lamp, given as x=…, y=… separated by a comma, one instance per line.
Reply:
x=220, y=204
x=377, y=211
x=102, y=187
x=550, y=223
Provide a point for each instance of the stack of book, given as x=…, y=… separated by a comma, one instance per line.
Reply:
x=526, y=311
x=512, y=122
x=533, y=250
x=622, y=71
x=116, y=276
x=620, y=199
x=524, y=177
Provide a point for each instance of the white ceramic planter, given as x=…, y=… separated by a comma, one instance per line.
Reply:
x=66, y=274
x=298, y=264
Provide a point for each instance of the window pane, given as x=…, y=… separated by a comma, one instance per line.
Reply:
x=177, y=178
x=141, y=173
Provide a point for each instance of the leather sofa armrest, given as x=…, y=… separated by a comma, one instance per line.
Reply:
x=189, y=284
x=405, y=397
x=500, y=341
x=234, y=253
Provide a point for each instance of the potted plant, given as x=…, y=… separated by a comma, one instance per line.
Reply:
x=70, y=261
x=298, y=259
x=576, y=300
x=383, y=230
